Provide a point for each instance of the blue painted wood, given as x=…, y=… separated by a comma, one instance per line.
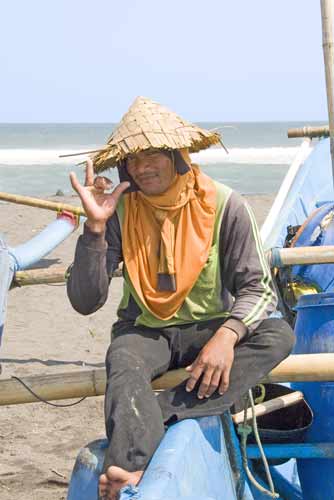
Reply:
x=294, y=450
x=313, y=185
x=283, y=487
x=314, y=333
x=192, y=462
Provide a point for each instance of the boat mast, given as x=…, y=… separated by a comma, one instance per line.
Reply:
x=327, y=44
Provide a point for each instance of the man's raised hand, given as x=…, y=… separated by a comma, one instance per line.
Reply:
x=98, y=205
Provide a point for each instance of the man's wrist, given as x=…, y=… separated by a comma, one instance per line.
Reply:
x=96, y=227
x=228, y=335
x=237, y=326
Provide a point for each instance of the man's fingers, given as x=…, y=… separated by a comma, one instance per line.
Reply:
x=215, y=380
x=75, y=183
x=225, y=381
x=89, y=177
x=102, y=183
x=119, y=190
x=195, y=375
x=206, y=382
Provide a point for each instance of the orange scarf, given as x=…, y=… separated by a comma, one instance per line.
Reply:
x=169, y=235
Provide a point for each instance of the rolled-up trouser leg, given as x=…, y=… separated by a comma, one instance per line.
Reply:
x=134, y=422
x=254, y=357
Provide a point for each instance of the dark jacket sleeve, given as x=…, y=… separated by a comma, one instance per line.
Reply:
x=245, y=272
x=96, y=258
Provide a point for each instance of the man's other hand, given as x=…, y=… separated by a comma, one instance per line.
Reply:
x=98, y=205
x=213, y=364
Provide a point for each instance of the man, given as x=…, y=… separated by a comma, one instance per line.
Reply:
x=197, y=289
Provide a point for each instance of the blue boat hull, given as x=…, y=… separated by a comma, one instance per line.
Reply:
x=193, y=462
x=200, y=459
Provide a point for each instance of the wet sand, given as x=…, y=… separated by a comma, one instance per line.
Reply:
x=43, y=334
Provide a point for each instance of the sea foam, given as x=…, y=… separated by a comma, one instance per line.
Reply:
x=260, y=156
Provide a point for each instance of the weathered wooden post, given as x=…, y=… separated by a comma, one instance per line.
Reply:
x=327, y=43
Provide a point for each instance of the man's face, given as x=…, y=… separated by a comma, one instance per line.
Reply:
x=151, y=170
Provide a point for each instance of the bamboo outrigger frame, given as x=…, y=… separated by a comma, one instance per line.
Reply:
x=39, y=203
x=89, y=383
x=276, y=258
x=307, y=131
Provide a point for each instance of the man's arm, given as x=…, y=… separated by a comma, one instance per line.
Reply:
x=245, y=272
x=89, y=278
x=246, y=276
x=97, y=256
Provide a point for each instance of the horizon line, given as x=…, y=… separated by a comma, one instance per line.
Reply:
x=227, y=122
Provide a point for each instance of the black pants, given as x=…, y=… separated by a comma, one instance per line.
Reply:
x=135, y=417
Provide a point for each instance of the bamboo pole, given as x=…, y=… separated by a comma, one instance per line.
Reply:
x=310, y=132
x=327, y=44
x=269, y=406
x=84, y=152
x=280, y=257
x=38, y=203
x=276, y=258
x=45, y=276
x=78, y=384
x=39, y=277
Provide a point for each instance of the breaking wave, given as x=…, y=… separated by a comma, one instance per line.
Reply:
x=260, y=156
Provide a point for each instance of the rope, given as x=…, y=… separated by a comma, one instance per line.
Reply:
x=44, y=400
x=244, y=430
x=260, y=398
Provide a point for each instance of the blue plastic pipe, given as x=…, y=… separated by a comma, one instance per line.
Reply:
x=7, y=268
x=27, y=254
x=32, y=251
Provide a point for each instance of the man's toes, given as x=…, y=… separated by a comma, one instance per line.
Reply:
x=103, y=479
x=117, y=474
x=104, y=486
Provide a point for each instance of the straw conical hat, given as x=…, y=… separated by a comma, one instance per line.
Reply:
x=147, y=125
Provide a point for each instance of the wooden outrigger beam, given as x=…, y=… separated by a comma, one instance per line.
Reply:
x=311, y=132
x=281, y=257
x=39, y=203
x=46, y=276
x=278, y=257
x=88, y=383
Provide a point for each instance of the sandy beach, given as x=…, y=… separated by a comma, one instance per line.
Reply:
x=43, y=334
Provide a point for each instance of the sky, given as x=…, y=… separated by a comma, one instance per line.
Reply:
x=214, y=60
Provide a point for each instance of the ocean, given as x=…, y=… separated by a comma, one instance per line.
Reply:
x=259, y=155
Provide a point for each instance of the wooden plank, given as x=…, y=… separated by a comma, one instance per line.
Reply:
x=269, y=406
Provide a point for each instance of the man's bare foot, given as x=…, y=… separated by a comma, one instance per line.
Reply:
x=115, y=479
